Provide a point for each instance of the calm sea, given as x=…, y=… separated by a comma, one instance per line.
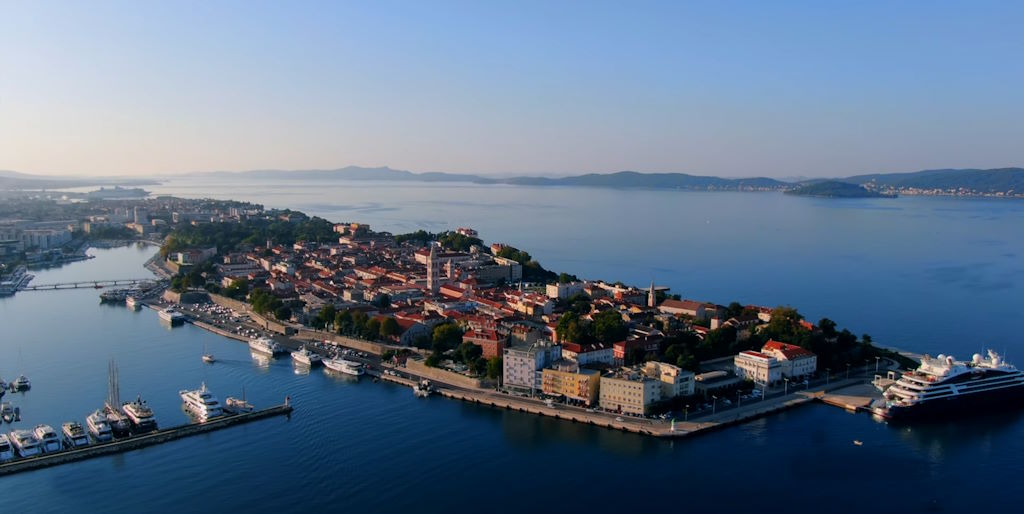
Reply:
x=925, y=274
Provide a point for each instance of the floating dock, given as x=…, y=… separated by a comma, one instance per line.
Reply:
x=136, y=442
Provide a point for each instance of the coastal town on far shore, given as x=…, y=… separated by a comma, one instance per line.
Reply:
x=449, y=308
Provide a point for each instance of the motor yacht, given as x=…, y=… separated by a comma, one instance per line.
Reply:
x=140, y=415
x=201, y=403
x=48, y=439
x=306, y=357
x=74, y=435
x=98, y=426
x=25, y=443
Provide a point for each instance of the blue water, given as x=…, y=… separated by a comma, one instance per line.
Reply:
x=929, y=274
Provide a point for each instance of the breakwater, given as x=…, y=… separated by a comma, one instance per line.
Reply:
x=139, y=441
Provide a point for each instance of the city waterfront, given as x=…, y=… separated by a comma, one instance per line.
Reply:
x=373, y=446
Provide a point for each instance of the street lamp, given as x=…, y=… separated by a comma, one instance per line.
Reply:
x=876, y=363
x=714, y=403
x=828, y=372
x=785, y=389
x=686, y=413
x=738, y=403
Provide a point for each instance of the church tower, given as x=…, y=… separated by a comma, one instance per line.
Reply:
x=652, y=300
x=433, y=270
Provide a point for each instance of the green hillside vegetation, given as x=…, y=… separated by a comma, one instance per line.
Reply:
x=835, y=189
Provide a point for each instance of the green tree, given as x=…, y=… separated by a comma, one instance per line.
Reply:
x=828, y=327
x=469, y=352
x=389, y=327
x=494, y=367
x=283, y=313
x=609, y=326
x=387, y=355
x=433, y=360
x=446, y=336
x=371, y=330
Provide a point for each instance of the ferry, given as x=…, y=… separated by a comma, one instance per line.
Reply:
x=171, y=316
x=132, y=303
x=265, y=345
x=98, y=426
x=201, y=403
x=306, y=357
x=74, y=435
x=344, y=366
x=25, y=443
x=943, y=386
x=6, y=450
x=47, y=437
x=140, y=415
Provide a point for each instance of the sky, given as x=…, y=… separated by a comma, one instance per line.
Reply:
x=725, y=88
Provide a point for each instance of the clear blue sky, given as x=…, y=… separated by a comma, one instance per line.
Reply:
x=726, y=88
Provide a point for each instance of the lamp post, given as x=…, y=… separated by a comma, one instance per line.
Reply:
x=714, y=403
x=686, y=413
x=785, y=388
x=738, y=399
x=876, y=363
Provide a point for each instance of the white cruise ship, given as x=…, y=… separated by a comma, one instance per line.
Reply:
x=306, y=357
x=265, y=345
x=201, y=403
x=943, y=385
x=171, y=316
x=344, y=366
x=74, y=435
x=25, y=443
x=48, y=439
x=98, y=426
x=6, y=450
x=140, y=415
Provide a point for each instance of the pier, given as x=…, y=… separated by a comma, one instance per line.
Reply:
x=140, y=441
x=87, y=283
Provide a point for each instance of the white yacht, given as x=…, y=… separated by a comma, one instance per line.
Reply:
x=25, y=443
x=201, y=403
x=98, y=426
x=48, y=439
x=944, y=386
x=171, y=316
x=140, y=415
x=74, y=435
x=21, y=384
x=306, y=357
x=132, y=303
x=7, y=412
x=6, y=450
x=344, y=366
x=265, y=345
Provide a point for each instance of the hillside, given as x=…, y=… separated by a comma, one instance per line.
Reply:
x=836, y=189
x=992, y=181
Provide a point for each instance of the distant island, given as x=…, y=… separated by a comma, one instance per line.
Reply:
x=836, y=189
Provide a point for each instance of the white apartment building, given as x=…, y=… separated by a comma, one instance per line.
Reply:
x=758, y=367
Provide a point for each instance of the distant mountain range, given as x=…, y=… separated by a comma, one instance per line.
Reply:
x=1003, y=181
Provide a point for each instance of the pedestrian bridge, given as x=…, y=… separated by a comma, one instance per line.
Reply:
x=96, y=284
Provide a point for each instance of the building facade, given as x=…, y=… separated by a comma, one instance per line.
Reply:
x=758, y=367
x=522, y=365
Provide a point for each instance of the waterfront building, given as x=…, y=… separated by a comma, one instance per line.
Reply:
x=568, y=380
x=489, y=341
x=712, y=382
x=629, y=391
x=795, y=361
x=683, y=307
x=594, y=353
x=522, y=365
x=675, y=381
x=758, y=367
x=561, y=291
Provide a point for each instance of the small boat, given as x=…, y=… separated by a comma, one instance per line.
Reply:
x=305, y=357
x=74, y=435
x=7, y=412
x=238, y=406
x=858, y=442
x=98, y=426
x=423, y=389
x=6, y=450
x=48, y=439
x=25, y=443
x=21, y=384
x=132, y=303
x=208, y=358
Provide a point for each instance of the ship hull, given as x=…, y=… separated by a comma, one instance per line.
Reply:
x=995, y=400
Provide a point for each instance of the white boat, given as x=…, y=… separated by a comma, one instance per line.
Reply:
x=201, y=403
x=208, y=358
x=171, y=316
x=48, y=439
x=74, y=435
x=25, y=443
x=306, y=357
x=140, y=415
x=21, y=384
x=344, y=366
x=98, y=426
x=7, y=412
x=132, y=303
x=265, y=345
x=422, y=389
x=6, y=450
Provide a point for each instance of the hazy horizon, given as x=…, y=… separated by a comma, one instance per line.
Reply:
x=743, y=89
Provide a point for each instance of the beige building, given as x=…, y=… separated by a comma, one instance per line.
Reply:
x=675, y=381
x=575, y=384
x=629, y=391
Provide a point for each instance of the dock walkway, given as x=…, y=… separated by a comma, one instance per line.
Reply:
x=139, y=441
